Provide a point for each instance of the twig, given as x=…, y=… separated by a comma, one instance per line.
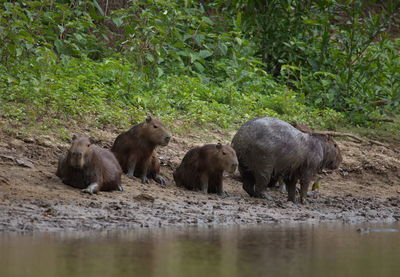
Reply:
x=381, y=120
x=358, y=139
x=337, y=134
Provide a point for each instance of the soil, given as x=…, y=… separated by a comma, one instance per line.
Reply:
x=365, y=188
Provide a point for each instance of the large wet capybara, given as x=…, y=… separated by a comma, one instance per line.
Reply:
x=202, y=168
x=134, y=149
x=268, y=149
x=89, y=167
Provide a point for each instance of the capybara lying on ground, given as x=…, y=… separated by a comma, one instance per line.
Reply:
x=134, y=149
x=89, y=167
x=268, y=149
x=202, y=167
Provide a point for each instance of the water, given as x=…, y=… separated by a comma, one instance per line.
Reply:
x=279, y=250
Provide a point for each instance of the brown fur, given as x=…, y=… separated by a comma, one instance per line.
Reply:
x=86, y=165
x=202, y=168
x=134, y=149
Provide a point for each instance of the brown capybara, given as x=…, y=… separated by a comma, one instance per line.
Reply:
x=89, y=167
x=134, y=150
x=268, y=149
x=202, y=167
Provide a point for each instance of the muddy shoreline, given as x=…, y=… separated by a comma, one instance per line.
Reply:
x=366, y=188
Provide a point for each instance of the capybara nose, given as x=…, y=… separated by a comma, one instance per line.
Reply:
x=167, y=139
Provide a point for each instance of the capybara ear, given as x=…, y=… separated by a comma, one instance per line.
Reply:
x=92, y=140
x=219, y=145
x=74, y=137
x=148, y=119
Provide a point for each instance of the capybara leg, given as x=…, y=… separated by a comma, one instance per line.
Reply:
x=248, y=181
x=120, y=188
x=131, y=168
x=92, y=188
x=262, y=180
x=144, y=179
x=303, y=192
x=204, y=183
x=291, y=187
x=220, y=189
x=159, y=179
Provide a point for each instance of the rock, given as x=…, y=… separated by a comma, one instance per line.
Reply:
x=24, y=163
x=18, y=145
x=29, y=140
x=145, y=197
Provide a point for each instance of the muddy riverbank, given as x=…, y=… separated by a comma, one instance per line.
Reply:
x=366, y=188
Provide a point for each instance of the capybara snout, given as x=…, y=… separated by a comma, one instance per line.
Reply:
x=228, y=160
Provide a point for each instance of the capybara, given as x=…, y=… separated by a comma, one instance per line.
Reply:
x=202, y=167
x=134, y=150
x=89, y=167
x=268, y=149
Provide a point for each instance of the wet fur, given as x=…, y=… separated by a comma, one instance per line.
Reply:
x=269, y=149
x=208, y=161
x=99, y=166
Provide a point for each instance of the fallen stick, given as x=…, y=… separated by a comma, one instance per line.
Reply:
x=358, y=139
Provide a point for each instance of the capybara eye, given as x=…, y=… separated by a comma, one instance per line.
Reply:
x=155, y=126
x=88, y=145
x=223, y=153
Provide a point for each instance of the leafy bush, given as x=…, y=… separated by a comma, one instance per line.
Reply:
x=203, y=62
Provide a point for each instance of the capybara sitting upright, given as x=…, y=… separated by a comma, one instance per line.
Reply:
x=268, y=149
x=89, y=167
x=134, y=149
x=202, y=168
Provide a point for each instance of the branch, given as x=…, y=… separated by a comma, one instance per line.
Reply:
x=337, y=134
x=358, y=139
x=381, y=120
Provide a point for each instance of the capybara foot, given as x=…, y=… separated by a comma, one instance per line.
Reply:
x=130, y=175
x=303, y=201
x=263, y=194
x=160, y=180
x=144, y=179
x=291, y=199
x=223, y=194
x=93, y=188
x=120, y=188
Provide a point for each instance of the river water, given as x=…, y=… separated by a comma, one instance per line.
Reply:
x=272, y=250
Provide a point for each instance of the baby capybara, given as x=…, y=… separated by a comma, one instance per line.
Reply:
x=134, y=150
x=89, y=167
x=202, y=167
x=268, y=149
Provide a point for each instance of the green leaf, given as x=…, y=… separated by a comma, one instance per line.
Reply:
x=98, y=7
x=150, y=57
x=118, y=21
x=160, y=72
x=199, y=66
x=205, y=54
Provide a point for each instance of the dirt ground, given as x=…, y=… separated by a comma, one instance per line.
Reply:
x=365, y=188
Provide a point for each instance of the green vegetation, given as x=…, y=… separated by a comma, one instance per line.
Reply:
x=205, y=63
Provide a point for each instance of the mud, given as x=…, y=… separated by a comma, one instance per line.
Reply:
x=366, y=188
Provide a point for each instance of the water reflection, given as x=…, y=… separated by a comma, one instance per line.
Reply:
x=289, y=250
